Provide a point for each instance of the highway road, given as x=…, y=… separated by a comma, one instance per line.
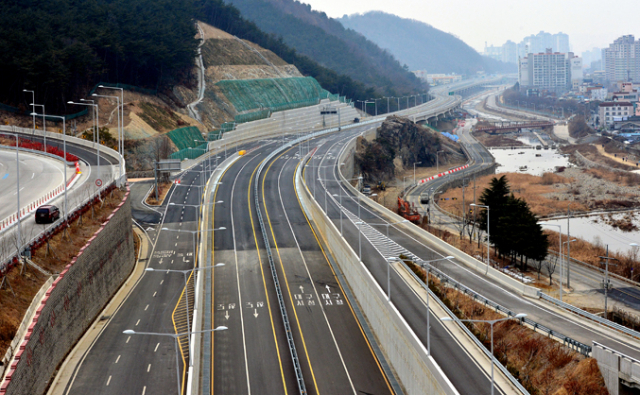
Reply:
x=137, y=364
x=445, y=350
x=38, y=175
x=334, y=354
x=84, y=187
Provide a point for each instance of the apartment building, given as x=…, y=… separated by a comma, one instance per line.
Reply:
x=622, y=60
x=550, y=71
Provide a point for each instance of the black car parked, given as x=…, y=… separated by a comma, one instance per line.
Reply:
x=47, y=214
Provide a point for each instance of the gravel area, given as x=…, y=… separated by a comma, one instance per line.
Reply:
x=587, y=188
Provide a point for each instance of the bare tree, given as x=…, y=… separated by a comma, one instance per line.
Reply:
x=551, y=264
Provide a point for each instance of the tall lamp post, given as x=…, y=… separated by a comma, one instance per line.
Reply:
x=18, y=189
x=121, y=133
x=175, y=337
x=64, y=149
x=118, y=130
x=428, y=264
x=44, y=122
x=414, y=171
x=606, y=278
x=33, y=108
x=186, y=294
x=96, y=122
x=438, y=161
x=490, y=322
x=488, y=235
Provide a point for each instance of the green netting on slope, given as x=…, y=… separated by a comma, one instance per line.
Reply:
x=252, y=116
x=186, y=137
x=214, y=135
x=248, y=95
x=190, y=153
x=227, y=127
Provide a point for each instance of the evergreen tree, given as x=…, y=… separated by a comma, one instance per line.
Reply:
x=514, y=229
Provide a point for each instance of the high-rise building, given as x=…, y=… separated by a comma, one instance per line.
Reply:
x=621, y=61
x=510, y=52
x=542, y=41
x=550, y=71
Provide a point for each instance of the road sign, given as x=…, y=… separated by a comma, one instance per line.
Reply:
x=98, y=182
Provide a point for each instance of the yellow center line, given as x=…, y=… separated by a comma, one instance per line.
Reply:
x=264, y=283
x=304, y=345
x=338, y=282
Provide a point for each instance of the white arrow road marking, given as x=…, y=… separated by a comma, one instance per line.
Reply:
x=301, y=289
x=255, y=313
x=328, y=289
x=226, y=315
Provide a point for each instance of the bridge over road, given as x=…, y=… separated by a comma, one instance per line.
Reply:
x=509, y=126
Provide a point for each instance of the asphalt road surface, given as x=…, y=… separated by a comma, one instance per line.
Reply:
x=334, y=354
x=38, y=175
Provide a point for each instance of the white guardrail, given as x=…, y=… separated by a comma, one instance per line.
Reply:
x=417, y=371
x=119, y=181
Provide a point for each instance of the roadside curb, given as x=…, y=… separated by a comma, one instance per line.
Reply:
x=66, y=373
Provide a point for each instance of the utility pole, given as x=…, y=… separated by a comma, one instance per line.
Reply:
x=606, y=279
x=568, y=246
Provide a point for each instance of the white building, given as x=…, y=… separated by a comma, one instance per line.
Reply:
x=610, y=112
x=622, y=60
x=550, y=71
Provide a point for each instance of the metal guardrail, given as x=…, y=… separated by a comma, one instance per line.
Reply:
x=568, y=341
x=503, y=369
x=283, y=310
x=590, y=316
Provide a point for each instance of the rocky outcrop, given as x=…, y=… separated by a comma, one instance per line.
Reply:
x=399, y=144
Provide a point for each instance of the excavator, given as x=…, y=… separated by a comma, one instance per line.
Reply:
x=408, y=211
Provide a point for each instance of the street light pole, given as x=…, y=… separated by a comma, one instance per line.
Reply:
x=606, y=279
x=121, y=132
x=33, y=108
x=491, y=323
x=44, y=123
x=96, y=122
x=428, y=263
x=414, y=171
x=359, y=223
x=437, y=161
x=560, y=256
x=64, y=149
x=568, y=246
x=117, y=129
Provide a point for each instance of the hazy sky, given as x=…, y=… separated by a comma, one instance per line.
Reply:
x=589, y=23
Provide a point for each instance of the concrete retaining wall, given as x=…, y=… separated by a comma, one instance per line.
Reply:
x=417, y=372
x=72, y=303
x=447, y=249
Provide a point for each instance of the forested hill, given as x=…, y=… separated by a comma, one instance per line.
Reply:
x=62, y=48
x=421, y=46
x=326, y=41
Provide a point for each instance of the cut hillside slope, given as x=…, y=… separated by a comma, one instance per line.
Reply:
x=227, y=58
x=326, y=41
x=439, y=52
